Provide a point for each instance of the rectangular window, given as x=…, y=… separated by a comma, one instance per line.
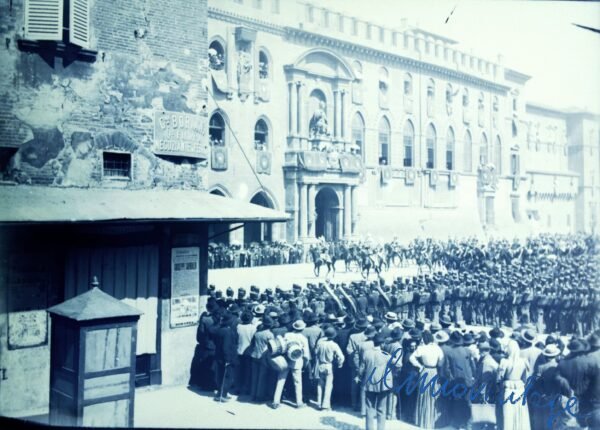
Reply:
x=341, y=23
x=325, y=18
x=368, y=30
x=116, y=165
x=516, y=213
x=408, y=150
x=430, y=154
x=489, y=211
x=381, y=34
x=354, y=27
x=449, y=160
x=383, y=149
x=258, y=4
x=514, y=165
x=311, y=14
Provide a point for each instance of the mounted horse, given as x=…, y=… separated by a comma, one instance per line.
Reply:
x=320, y=258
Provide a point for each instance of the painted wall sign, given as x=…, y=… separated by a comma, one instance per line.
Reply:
x=180, y=134
x=185, y=286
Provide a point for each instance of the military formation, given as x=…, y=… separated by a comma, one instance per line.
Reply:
x=489, y=314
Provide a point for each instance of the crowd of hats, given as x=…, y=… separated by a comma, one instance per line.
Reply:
x=254, y=254
x=568, y=280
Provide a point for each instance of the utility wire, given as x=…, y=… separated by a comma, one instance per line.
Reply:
x=226, y=120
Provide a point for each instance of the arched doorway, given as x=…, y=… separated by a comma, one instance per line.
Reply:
x=259, y=231
x=327, y=206
x=218, y=233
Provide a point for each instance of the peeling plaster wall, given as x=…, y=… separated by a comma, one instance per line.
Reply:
x=151, y=56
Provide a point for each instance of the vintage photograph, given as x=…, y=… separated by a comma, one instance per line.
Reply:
x=300, y=214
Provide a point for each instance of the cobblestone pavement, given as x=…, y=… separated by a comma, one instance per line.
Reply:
x=180, y=407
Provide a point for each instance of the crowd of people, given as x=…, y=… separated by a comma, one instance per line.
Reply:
x=222, y=256
x=526, y=323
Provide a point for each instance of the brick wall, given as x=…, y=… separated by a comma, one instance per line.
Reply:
x=151, y=56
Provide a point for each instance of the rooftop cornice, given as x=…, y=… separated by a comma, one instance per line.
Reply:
x=351, y=48
x=234, y=18
x=514, y=76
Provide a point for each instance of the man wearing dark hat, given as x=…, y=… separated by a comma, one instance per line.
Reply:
x=313, y=333
x=351, y=350
x=359, y=356
x=327, y=352
x=458, y=368
x=258, y=350
x=580, y=369
x=245, y=333
x=225, y=356
x=486, y=372
x=377, y=383
x=343, y=376
x=393, y=346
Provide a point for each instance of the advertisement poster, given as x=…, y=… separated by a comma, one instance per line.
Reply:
x=185, y=286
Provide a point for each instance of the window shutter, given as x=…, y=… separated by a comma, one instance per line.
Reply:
x=79, y=23
x=43, y=19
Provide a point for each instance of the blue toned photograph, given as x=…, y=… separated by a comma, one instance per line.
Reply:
x=300, y=214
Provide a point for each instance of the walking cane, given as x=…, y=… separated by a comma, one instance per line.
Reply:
x=223, y=383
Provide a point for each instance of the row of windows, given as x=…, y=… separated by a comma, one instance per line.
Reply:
x=217, y=59
x=408, y=140
x=262, y=142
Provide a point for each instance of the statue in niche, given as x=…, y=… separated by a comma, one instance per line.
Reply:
x=318, y=123
x=244, y=69
x=244, y=64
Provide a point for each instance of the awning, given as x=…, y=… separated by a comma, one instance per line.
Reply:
x=35, y=204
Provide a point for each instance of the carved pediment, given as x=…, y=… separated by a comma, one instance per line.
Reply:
x=324, y=63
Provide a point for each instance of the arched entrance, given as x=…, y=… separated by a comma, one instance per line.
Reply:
x=327, y=206
x=218, y=233
x=259, y=231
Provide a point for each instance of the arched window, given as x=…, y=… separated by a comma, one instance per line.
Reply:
x=431, y=89
x=216, y=56
x=408, y=87
x=465, y=98
x=468, y=152
x=263, y=65
x=216, y=130
x=384, y=141
x=483, y=150
x=430, y=97
x=498, y=156
x=409, y=141
x=358, y=134
x=261, y=135
x=450, y=149
x=430, y=143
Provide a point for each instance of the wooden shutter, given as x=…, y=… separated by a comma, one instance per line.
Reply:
x=79, y=23
x=43, y=19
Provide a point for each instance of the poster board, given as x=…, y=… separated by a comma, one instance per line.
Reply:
x=185, y=286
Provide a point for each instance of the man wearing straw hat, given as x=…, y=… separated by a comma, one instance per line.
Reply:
x=295, y=365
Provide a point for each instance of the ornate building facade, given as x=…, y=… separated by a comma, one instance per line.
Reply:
x=353, y=128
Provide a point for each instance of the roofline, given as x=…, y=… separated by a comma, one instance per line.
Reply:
x=513, y=75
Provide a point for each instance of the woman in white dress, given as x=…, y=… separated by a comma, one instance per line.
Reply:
x=512, y=374
x=426, y=358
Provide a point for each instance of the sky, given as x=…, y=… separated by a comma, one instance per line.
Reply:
x=534, y=37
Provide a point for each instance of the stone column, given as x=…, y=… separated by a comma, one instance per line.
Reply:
x=344, y=113
x=347, y=212
x=353, y=195
x=302, y=214
x=293, y=105
x=312, y=191
x=337, y=115
x=301, y=126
